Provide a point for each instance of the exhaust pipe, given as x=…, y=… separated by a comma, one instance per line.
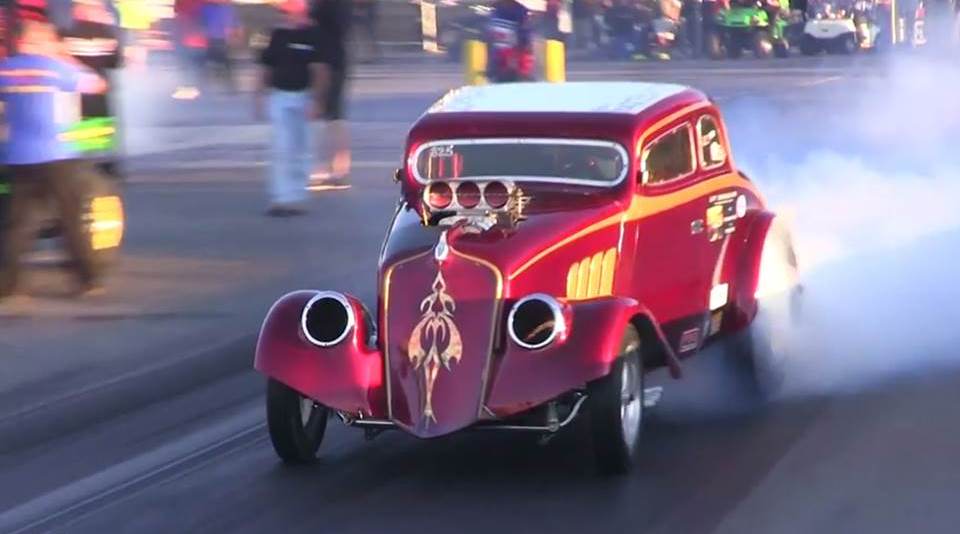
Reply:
x=327, y=319
x=536, y=321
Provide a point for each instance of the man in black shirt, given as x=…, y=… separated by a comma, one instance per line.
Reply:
x=296, y=76
x=332, y=20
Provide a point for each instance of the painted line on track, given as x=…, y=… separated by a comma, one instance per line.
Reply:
x=95, y=492
x=821, y=81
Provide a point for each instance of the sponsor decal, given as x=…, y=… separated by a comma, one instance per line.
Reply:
x=690, y=340
x=722, y=214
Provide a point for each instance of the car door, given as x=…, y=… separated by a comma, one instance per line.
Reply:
x=722, y=212
x=671, y=275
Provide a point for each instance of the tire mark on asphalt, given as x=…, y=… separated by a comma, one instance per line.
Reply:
x=85, y=496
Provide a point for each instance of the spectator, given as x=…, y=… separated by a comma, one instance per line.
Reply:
x=292, y=65
x=582, y=22
x=620, y=20
x=365, y=16
x=41, y=167
x=551, y=21
x=190, y=43
x=331, y=20
x=220, y=29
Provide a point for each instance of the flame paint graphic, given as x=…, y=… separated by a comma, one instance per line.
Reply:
x=435, y=341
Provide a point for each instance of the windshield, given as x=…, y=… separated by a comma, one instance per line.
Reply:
x=587, y=162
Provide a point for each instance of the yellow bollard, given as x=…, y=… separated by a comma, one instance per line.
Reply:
x=475, y=62
x=554, y=61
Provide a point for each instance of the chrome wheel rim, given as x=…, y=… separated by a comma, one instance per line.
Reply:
x=307, y=408
x=631, y=404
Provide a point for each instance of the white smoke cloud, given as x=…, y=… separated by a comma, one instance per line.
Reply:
x=872, y=189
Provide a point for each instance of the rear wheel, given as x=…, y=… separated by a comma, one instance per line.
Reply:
x=734, y=45
x=296, y=423
x=715, y=48
x=846, y=44
x=104, y=216
x=762, y=44
x=767, y=341
x=616, y=409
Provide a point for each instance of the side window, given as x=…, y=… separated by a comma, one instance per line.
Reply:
x=712, y=152
x=669, y=157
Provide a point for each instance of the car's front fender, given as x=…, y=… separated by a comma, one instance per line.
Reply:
x=346, y=377
x=524, y=378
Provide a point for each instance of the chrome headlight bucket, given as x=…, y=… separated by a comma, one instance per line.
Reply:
x=327, y=319
x=536, y=321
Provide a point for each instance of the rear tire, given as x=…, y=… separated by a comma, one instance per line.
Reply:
x=715, y=47
x=616, y=409
x=734, y=45
x=767, y=340
x=846, y=44
x=106, y=224
x=296, y=423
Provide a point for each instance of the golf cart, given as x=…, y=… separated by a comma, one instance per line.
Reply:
x=840, y=26
x=758, y=25
x=90, y=130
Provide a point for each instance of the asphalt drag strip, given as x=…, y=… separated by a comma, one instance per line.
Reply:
x=184, y=432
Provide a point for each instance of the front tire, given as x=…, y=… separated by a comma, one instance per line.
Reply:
x=616, y=409
x=296, y=423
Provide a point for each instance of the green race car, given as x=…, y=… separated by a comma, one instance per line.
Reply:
x=750, y=24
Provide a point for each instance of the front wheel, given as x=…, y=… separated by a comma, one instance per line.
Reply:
x=296, y=423
x=616, y=409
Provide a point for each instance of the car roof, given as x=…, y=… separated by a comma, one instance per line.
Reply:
x=621, y=98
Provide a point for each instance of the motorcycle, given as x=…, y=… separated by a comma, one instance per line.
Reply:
x=508, y=60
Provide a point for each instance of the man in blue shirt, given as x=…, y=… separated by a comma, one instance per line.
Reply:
x=38, y=87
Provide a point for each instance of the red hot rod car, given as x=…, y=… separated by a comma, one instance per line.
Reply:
x=553, y=243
